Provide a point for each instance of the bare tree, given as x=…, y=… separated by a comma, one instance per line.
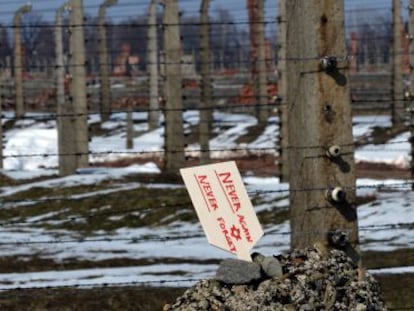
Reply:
x=5, y=48
x=32, y=27
x=226, y=39
x=374, y=35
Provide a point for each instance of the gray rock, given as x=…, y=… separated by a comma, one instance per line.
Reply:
x=257, y=257
x=271, y=267
x=314, y=281
x=234, y=271
x=204, y=305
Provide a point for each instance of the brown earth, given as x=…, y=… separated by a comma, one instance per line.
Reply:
x=397, y=289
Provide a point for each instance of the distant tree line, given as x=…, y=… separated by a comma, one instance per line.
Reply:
x=229, y=38
x=374, y=33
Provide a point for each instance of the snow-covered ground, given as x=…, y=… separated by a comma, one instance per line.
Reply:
x=32, y=146
x=384, y=224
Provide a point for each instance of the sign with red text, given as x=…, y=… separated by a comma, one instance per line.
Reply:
x=223, y=207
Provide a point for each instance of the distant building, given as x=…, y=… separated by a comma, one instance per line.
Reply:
x=125, y=64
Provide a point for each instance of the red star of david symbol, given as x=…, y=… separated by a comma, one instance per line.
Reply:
x=235, y=232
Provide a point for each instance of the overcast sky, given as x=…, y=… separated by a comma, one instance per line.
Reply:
x=130, y=8
x=127, y=8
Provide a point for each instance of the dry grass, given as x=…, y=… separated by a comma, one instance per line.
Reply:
x=110, y=298
x=397, y=290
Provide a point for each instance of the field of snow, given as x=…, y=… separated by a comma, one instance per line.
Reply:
x=385, y=224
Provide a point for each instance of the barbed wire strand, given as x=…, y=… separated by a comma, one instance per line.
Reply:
x=164, y=239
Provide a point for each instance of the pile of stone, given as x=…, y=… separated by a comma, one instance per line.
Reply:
x=301, y=280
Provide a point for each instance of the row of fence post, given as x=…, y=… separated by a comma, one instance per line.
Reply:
x=314, y=96
x=72, y=110
x=258, y=62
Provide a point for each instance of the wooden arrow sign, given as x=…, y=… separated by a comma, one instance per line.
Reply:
x=223, y=207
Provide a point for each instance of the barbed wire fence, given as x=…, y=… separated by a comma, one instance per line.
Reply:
x=249, y=97
x=254, y=99
x=245, y=99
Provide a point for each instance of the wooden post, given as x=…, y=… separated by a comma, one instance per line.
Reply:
x=60, y=88
x=1, y=121
x=251, y=10
x=252, y=15
x=18, y=61
x=206, y=113
x=129, y=129
x=261, y=81
x=397, y=79
x=8, y=66
x=321, y=162
x=281, y=87
x=411, y=61
x=174, y=133
x=104, y=61
x=78, y=85
x=154, y=114
x=65, y=119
